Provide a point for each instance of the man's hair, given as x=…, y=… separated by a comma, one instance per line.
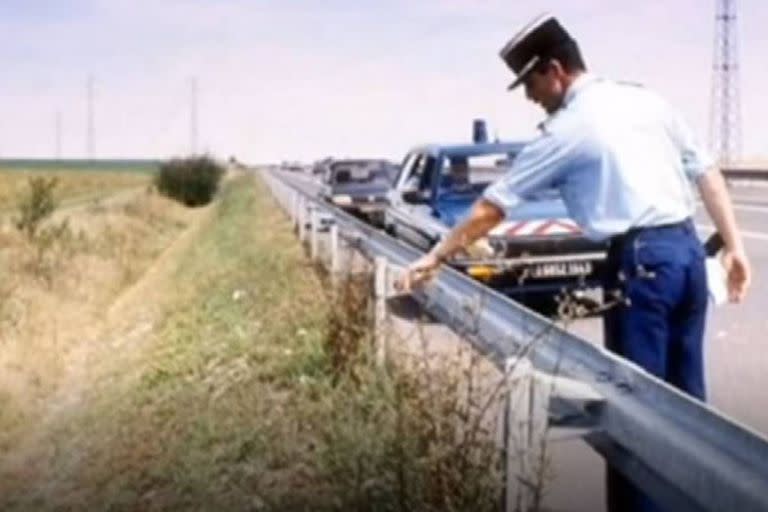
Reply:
x=567, y=54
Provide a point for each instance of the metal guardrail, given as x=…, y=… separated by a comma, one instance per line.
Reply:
x=684, y=453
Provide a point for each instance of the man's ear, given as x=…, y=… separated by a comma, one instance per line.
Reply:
x=557, y=67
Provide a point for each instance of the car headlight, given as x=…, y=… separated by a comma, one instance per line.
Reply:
x=482, y=272
x=342, y=199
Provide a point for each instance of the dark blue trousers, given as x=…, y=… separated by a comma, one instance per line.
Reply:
x=660, y=325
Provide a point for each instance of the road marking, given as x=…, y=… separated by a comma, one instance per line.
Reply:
x=746, y=234
x=751, y=208
x=744, y=207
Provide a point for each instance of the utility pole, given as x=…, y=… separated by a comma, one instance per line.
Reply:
x=193, y=115
x=725, y=108
x=90, y=126
x=58, y=136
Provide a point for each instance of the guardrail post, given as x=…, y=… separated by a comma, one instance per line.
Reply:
x=380, y=309
x=295, y=203
x=283, y=195
x=302, y=220
x=314, y=216
x=334, y=242
x=524, y=429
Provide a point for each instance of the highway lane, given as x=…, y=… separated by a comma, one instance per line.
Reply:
x=737, y=360
x=750, y=192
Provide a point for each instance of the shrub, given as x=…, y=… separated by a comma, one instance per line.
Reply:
x=419, y=435
x=35, y=205
x=50, y=242
x=52, y=248
x=193, y=181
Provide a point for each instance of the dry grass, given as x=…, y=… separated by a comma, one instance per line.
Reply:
x=53, y=301
x=73, y=185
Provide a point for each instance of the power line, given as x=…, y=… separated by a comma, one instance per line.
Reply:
x=193, y=115
x=90, y=128
x=57, y=141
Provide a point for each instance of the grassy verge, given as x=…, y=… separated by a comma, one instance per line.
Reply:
x=257, y=393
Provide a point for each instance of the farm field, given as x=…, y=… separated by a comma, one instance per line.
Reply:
x=73, y=185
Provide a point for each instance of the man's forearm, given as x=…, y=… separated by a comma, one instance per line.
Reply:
x=717, y=202
x=483, y=217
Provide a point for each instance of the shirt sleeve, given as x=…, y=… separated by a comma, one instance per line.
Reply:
x=696, y=159
x=538, y=166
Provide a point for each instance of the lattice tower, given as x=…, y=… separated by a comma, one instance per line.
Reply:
x=725, y=109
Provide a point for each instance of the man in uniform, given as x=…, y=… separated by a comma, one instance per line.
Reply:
x=623, y=161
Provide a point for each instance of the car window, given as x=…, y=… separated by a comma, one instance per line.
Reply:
x=342, y=176
x=360, y=172
x=406, y=169
x=471, y=175
x=420, y=177
x=461, y=173
x=413, y=172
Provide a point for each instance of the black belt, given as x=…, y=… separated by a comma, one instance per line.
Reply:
x=618, y=242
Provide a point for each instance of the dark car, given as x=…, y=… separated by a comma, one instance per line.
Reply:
x=536, y=253
x=359, y=186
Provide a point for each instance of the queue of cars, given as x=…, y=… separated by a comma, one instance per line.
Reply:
x=536, y=254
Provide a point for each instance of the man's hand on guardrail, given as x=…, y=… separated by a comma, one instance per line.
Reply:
x=418, y=273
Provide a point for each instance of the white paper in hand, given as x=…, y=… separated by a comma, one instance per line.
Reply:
x=716, y=281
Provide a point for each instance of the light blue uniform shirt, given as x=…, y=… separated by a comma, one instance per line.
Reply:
x=620, y=156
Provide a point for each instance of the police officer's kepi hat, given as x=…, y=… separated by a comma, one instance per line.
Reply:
x=533, y=44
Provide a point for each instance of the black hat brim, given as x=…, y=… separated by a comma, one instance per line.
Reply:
x=518, y=81
x=527, y=70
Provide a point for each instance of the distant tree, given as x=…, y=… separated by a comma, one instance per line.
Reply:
x=193, y=181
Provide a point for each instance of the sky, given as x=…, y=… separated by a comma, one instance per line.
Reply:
x=301, y=80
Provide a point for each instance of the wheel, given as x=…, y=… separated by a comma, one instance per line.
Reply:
x=544, y=304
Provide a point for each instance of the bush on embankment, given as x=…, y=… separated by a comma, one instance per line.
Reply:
x=193, y=181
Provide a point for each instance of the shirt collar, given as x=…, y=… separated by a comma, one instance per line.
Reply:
x=582, y=82
x=578, y=85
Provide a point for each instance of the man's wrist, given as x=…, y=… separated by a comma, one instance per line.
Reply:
x=734, y=244
x=440, y=254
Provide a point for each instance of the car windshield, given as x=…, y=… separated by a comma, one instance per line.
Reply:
x=470, y=175
x=359, y=173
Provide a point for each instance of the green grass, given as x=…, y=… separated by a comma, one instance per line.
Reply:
x=243, y=400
